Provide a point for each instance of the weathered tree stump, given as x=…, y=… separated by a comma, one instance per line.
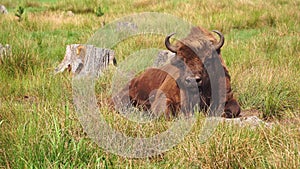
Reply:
x=86, y=60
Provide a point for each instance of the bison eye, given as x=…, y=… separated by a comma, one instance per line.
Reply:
x=188, y=80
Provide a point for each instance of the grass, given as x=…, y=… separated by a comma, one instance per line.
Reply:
x=39, y=127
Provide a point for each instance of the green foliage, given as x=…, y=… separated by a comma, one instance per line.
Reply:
x=19, y=13
x=98, y=11
x=84, y=6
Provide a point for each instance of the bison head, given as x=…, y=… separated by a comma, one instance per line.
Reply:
x=185, y=50
x=195, y=51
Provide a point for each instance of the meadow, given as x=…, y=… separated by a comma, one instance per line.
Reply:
x=39, y=127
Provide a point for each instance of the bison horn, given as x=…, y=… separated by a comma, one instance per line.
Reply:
x=221, y=43
x=168, y=44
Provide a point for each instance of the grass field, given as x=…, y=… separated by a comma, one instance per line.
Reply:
x=39, y=127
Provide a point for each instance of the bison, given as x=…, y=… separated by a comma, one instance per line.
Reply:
x=184, y=82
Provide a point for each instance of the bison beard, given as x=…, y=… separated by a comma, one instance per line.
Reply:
x=181, y=84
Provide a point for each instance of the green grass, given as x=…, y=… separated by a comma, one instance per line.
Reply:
x=39, y=127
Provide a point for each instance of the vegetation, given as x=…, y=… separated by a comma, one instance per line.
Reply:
x=99, y=11
x=19, y=13
x=38, y=124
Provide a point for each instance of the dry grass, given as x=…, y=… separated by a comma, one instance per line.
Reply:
x=39, y=127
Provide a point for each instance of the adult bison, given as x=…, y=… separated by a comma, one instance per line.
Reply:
x=184, y=82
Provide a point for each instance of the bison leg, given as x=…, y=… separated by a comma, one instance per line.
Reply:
x=162, y=104
x=167, y=98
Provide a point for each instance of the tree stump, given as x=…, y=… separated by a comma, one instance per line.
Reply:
x=86, y=60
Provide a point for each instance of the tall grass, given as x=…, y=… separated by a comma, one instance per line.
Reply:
x=39, y=127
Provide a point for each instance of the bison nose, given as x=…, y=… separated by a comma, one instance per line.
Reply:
x=198, y=79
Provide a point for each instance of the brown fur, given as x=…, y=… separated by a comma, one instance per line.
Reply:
x=195, y=40
x=166, y=80
x=144, y=90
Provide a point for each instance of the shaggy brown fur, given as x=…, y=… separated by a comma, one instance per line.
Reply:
x=183, y=83
x=195, y=41
x=148, y=89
